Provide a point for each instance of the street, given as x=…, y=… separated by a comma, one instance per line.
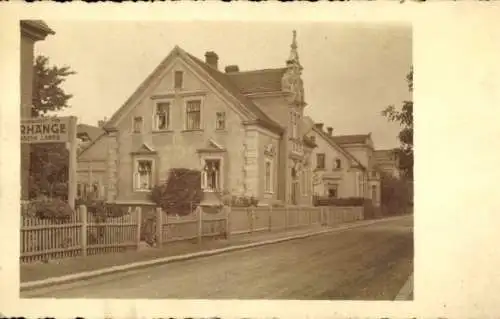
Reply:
x=366, y=263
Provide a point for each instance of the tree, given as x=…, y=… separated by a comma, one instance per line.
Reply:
x=48, y=162
x=405, y=118
x=47, y=92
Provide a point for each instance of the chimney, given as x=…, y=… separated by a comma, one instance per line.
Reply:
x=232, y=69
x=102, y=122
x=212, y=59
x=319, y=126
x=330, y=130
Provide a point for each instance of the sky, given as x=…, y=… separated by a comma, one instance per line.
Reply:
x=351, y=71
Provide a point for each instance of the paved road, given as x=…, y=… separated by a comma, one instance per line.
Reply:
x=368, y=263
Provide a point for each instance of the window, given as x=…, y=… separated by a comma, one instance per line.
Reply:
x=320, y=160
x=162, y=116
x=337, y=164
x=143, y=174
x=295, y=119
x=137, y=124
x=211, y=175
x=374, y=192
x=268, y=176
x=220, y=121
x=333, y=191
x=178, y=78
x=193, y=115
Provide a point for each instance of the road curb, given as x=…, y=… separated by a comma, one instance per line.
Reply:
x=159, y=261
x=406, y=291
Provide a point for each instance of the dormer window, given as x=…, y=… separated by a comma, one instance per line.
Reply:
x=178, y=79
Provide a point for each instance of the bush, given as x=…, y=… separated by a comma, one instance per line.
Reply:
x=102, y=210
x=53, y=209
x=181, y=190
x=244, y=201
x=347, y=201
x=396, y=195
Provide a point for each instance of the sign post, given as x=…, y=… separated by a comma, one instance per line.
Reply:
x=55, y=130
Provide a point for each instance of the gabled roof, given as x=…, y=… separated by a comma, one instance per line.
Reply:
x=225, y=81
x=144, y=149
x=259, y=117
x=93, y=132
x=258, y=81
x=212, y=146
x=38, y=26
x=339, y=147
x=351, y=139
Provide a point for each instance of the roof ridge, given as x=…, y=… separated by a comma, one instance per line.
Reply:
x=257, y=71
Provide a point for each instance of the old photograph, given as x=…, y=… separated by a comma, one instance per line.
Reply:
x=216, y=160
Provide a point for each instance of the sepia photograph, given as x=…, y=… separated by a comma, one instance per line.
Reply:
x=216, y=160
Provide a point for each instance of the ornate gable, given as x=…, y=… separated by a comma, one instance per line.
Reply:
x=291, y=81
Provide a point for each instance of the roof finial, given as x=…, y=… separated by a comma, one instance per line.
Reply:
x=294, y=55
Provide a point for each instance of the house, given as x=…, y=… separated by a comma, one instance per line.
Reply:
x=31, y=32
x=91, y=170
x=388, y=161
x=344, y=165
x=242, y=129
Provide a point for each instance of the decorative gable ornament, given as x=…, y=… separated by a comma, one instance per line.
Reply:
x=270, y=150
x=291, y=81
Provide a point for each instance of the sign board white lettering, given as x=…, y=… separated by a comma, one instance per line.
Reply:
x=45, y=130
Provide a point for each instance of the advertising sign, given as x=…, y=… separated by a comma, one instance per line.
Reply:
x=45, y=130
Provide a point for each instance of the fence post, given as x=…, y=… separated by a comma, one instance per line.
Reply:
x=159, y=227
x=83, y=231
x=270, y=217
x=252, y=219
x=200, y=224
x=227, y=210
x=138, y=215
x=310, y=217
x=286, y=217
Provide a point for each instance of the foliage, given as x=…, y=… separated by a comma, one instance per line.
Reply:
x=101, y=210
x=405, y=118
x=53, y=209
x=48, y=161
x=47, y=92
x=346, y=201
x=396, y=194
x=244, y=201
x=48, y=170
x=181, y=190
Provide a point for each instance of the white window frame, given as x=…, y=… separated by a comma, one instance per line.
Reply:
x=217, y=121
x=133, y=124
x=135, y=174
x=269, y=161
x=184, y=112
x=317, y=161
x=155, y=114
x=220, y=181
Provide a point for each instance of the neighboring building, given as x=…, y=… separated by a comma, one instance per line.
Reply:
x=388, y=161
x=344, y=165
x=91, y=170
x=31, y=32
x=242, y=129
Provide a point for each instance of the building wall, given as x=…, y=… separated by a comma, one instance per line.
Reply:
x=266, y=140
x=329, y=175
x=177, y=148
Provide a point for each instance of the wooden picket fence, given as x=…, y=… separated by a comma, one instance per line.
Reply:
x=83, y=235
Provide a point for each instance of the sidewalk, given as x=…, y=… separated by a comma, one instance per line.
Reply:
x=62, y=267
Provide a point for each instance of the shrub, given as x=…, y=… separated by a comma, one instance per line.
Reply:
x=396, y=195
x=53, y=209
x=181, y=190
x=347, y=201
x=244, y=201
